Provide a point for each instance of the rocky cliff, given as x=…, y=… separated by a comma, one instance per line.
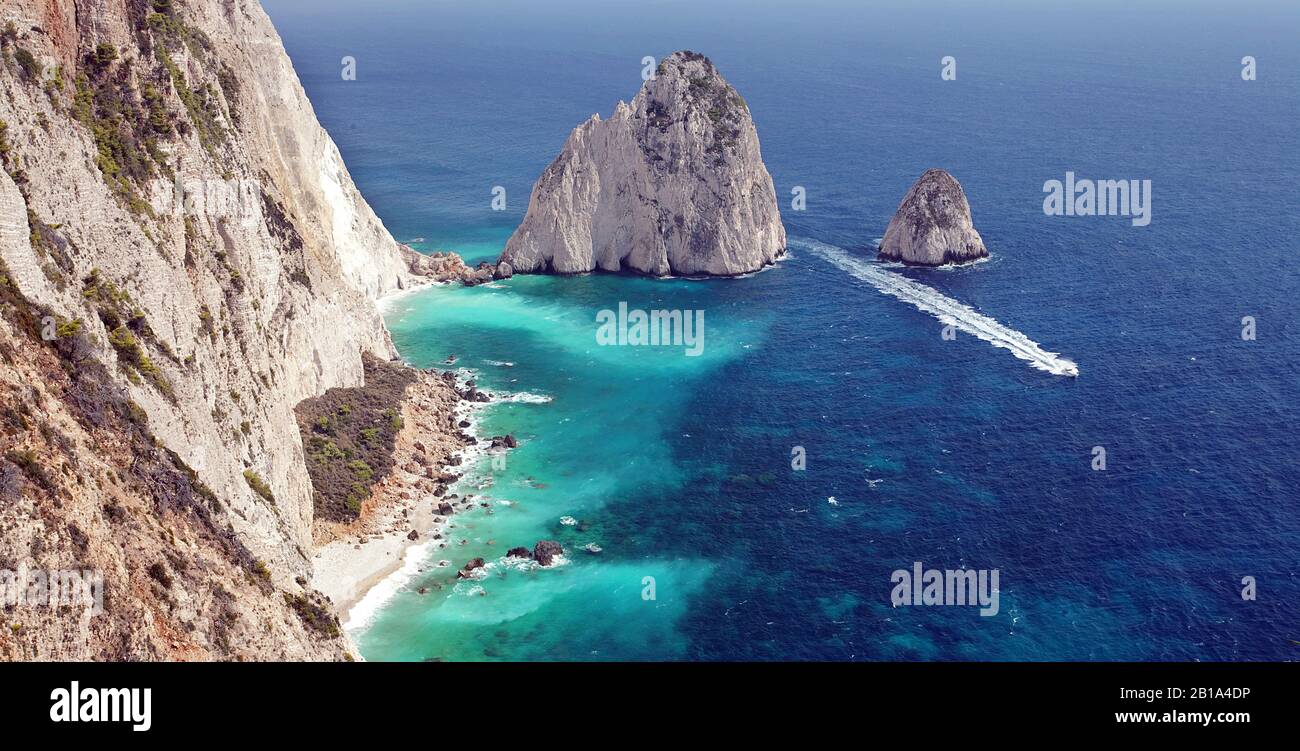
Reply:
x=932, y=225
x=184, y=259
x=672, y=184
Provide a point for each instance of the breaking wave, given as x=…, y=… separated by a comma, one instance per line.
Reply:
x=946, y=309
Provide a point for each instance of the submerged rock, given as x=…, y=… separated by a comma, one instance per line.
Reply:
x=932, y=225
x=673, y=183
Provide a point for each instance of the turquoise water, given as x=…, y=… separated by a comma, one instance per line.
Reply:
x=952, y=453
x=604, y=435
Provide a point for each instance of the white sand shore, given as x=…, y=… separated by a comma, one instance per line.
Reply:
x=346, y=569
x=385, y=303
x=367, y=561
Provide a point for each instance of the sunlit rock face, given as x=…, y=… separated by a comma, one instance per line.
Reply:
x=932, y=226
x=672, y=184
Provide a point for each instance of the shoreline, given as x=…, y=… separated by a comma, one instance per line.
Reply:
x=359, y=566
x=386, y=301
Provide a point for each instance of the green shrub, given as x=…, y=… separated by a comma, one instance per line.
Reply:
x=350, y=435
x=104, y=55
x=314, y=615
x=131, y=353
x=67, y=329
x=31, y=69
x=258, y=485
x=361, y=469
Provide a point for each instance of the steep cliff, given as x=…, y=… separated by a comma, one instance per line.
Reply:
x=672, y=184
x=932, y=225
x=180, y=237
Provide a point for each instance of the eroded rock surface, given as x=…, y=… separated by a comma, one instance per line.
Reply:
x=932, y=225
x=672, y=184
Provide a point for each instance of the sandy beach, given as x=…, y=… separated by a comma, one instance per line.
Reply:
x=407, y=508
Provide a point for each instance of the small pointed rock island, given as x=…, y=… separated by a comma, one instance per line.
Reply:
x=932, y=226
x=672, y=184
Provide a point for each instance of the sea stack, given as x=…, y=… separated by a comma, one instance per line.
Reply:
x=672, y=184
x=932, y=226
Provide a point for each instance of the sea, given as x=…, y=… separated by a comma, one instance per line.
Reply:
x=845, y=419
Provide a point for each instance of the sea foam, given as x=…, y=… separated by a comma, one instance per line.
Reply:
x=946, y=309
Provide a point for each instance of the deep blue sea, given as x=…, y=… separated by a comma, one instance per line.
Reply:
x=952, y=453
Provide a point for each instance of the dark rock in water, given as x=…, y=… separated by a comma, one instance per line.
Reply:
x=519, y=552
x=463, y=424
x=413, y=535
x=932, y=226
x=504, y=271
x=467, y=571
x=545, y=551
x=445, y=508
x=504, y=441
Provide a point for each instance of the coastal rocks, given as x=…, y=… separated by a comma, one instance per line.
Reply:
x=445, y=266
x=445, y=509
x=546, y=551
x=932, y=225
x=471, y=394
x=519, y=552
x=468, y=571
x=673, y=183
x=504, y=441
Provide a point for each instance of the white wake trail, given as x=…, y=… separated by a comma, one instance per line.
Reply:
x=946, y=309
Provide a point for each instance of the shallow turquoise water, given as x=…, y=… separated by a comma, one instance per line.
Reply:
x=604, y=435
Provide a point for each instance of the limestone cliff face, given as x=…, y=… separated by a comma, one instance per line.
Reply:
x=932, y=226
x=672, y=184
x=171, y=209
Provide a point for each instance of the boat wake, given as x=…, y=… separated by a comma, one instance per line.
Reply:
x=946, y=309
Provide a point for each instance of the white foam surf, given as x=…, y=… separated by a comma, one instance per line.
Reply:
x=947, y=310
